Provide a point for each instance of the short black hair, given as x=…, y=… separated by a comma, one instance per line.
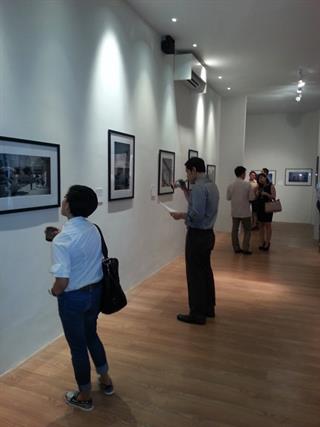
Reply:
x=266, y=171
x=82, y=200
x=239, y=170
x=197, y=163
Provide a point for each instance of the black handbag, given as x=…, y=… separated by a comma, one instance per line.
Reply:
x=113, y=298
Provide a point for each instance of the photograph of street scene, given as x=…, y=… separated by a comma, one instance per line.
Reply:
x=22, y=175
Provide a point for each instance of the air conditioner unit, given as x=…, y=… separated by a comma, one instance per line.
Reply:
x=189, y=70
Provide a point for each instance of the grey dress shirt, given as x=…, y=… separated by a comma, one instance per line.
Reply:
x=203, y=204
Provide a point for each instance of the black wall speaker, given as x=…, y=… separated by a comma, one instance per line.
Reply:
x=167, y=45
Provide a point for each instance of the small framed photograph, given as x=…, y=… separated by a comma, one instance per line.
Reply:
x=192, y=153
x=211, y=172
x=166, y=172
x=301, y=177
x=29, y=175
x=272, y=175
x=316, y=174
x=121, y=165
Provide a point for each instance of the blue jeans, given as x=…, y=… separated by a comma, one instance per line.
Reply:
x=78, y=312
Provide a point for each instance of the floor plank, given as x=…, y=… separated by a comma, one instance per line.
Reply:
x=257, y=364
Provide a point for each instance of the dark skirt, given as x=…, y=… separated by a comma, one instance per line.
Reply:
x=262, y=215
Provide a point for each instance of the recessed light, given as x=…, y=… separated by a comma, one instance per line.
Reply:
x=194, y=45
x=228, y=88
x=220, y=77
x=174, y=19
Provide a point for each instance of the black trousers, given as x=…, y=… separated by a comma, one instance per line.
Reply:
x=201, y=289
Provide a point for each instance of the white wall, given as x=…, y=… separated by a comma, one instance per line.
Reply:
x=69, y=72
x=279, y=141
x=232, y=142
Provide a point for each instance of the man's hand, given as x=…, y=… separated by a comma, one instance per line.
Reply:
x=59, y=286
x=50, y=233
x=178, y=215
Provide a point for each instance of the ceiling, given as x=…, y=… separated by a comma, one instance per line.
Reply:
x=257, y=46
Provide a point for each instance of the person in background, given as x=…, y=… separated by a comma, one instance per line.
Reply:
x=265, y=192
x=77, y=257
x=254, y=216
x=203, y=202
x=240, y=194
x=266, y=172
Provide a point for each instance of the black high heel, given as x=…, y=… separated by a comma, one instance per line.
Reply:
x=266, y=247
x=262, y=247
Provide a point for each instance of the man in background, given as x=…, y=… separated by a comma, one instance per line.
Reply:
x=240, y=193
x=203, y=202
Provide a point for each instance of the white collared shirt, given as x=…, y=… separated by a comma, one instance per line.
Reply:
x=240, y=193
x=77, y=254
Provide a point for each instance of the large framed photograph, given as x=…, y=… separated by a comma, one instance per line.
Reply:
x=29, y=175
x=272, y=175
x=121, y=165
x=192, y=153
x=166, y=172
x=298, y=177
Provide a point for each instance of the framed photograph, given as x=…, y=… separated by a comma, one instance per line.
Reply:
x=272, y=175
x=211, y=172
x=121, y=165
x=192, y=153
x=29, y=175
x=166, y=172
x=316, y=175
x=298, y=177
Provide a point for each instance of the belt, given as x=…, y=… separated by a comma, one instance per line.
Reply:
x=89, y=287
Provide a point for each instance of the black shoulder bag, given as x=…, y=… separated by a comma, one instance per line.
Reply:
x=113, y=298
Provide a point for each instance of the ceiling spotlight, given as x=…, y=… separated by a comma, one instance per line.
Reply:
x=220, y=77
x=194, y=45
x=174, y=19
x=301, y=83
x=228, y=88
x=298, y=98
x=299, y=90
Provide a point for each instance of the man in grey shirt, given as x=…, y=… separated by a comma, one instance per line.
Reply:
x=240, y=193
x=203, y=202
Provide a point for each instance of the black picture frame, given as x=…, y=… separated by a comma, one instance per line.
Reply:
x=166, y=172
x=211, y=172
x=192, y=153
x=29, y=175
x=121, y=165
x=298, y=177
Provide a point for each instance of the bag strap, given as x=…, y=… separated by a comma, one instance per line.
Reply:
x=103, y=243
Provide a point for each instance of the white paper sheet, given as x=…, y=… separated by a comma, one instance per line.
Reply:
x=167, y=207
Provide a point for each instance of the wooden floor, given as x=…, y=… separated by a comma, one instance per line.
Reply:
x=256, y=365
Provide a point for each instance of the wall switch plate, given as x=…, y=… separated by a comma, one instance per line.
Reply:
x=153, y=192
x=99, y=193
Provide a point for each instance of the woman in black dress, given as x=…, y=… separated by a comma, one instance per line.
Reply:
x=265, y=193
